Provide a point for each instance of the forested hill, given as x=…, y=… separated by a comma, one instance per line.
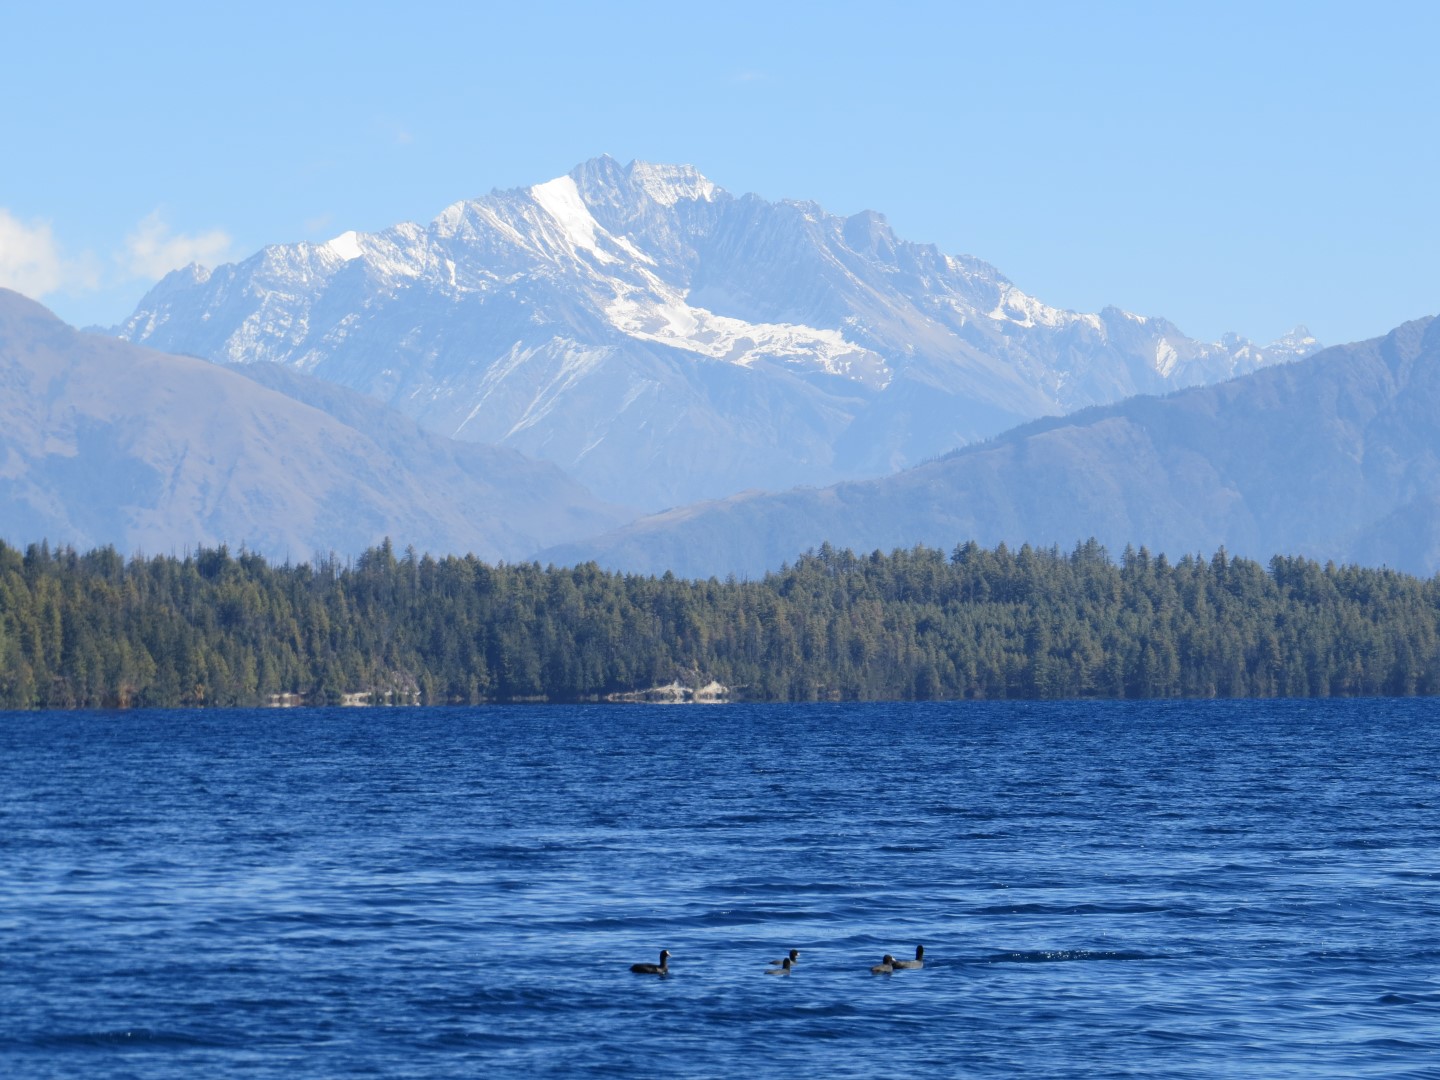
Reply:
x=219, y=629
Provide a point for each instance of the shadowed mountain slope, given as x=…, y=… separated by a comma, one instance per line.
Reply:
x=1334, y=457
x=103, y=442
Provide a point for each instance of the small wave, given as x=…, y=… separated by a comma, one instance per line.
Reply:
x=949, y=810
x=108, y=1040
x=466, y=1039
x=1392, y=1042
x=1070, y=909
x=1165, y=1035
x=1059, y=956
x=743, y=917
x=705, y=918
x=789, y=888
x=837, y=1009
x=1393, y=998
x=726, y=820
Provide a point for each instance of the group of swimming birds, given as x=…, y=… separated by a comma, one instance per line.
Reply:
x=785, y=963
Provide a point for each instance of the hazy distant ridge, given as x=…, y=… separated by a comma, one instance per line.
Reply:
x=103, y=442
x=1334, y=457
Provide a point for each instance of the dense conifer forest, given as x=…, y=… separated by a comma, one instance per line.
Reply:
x=220, y=629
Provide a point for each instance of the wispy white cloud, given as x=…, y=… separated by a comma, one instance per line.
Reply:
x=32, y=263
x=152, y=250
x=392, y=131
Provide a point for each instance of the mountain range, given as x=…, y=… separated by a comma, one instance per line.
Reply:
x=664, y=341
x=1336, y=457
x=104, y=442
x=671, y=344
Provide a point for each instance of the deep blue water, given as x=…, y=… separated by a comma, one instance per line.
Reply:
x=1160, y=890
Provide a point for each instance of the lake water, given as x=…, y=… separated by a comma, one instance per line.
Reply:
x=1102, y=889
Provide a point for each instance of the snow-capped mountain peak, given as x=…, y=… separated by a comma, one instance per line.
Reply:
x=669, y=184
x=345, y=246
x=668, y=340
x=1298, y=342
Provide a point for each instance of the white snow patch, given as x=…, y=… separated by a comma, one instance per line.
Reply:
x=489, y=217
x=670, y=320
x=631, y=250
x=1165, y=357
x=447, y=222
x=560, y=198
x=1299, y=340
x=668, y=184
x=346, y=245
x=1026, y=311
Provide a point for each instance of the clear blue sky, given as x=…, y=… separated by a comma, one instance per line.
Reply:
x=1229, y=166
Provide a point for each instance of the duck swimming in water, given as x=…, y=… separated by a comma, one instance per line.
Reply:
x=662, y=968
x=911, y=965
x=885, y=967
x=794, y=955
x=783, y=969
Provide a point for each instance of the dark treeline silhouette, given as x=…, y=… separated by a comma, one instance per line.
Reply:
x=216, y=628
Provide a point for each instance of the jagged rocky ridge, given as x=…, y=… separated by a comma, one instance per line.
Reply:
x=665, y=341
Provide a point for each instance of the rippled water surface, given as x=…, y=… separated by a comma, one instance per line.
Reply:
x=1177, y=890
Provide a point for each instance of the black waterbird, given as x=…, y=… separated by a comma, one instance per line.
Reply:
x=662, y=968
x=911, y=965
